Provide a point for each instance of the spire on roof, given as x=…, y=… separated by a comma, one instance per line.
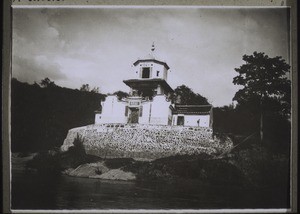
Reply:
x=151, y=55
x=153, y=47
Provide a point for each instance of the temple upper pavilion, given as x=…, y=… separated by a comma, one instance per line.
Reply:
x=149, y=100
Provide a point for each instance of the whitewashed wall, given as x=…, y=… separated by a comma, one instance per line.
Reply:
x=113, y=111
x=191, y=120
x=160, y=110
x=154, y=67
x=144, y=119
x=153, y=112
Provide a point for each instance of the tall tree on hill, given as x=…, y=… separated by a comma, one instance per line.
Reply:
x=41, y=117
x=266, y=86
x=47, y=83
x=184, y=95
x=85, y=87
x=95, y=90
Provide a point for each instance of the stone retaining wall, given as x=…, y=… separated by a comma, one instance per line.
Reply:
x=145, y=141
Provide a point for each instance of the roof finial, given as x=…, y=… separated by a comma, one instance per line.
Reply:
x=153, y=47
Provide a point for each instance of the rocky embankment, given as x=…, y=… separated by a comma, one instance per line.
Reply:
x=250, y=165
x=146, y=141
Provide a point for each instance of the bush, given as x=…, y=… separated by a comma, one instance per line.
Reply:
x=52, y=111
x=52, y=161
x=262, y=167
x=45, y=162
x=75, y=155
x=78, y=148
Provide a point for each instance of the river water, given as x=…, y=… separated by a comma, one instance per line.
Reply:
x=31, y=190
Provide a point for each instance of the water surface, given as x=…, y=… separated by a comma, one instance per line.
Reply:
x=31, y=190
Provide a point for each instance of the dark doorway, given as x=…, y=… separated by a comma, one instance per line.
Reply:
x=180, y=120
x=134, y=115
x=146, y=73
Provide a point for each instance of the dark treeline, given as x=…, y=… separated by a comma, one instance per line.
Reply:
x=229, y=119
x=263, y=102
x=42, y=115
x=240, y=121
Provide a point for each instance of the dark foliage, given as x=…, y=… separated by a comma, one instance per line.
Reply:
x=184, y=95
x=85, y=87
x=277, y=133
x=241, y=122
x=41, y=117
x=116, y=163
x=46, y=162
x=121, y=94
x=75, y=155
x=237, y=121
x=261, y=166
x=204, y=169
x=47, y=83
x=52, y=161
x=78, y=147
x=202, y=156
x=266, y=87
x=265, y=83
x=263, y=104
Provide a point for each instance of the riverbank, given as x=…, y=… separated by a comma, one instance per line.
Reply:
x=99, y=170
x=249, y=177
x=250, y=165
x=253, y=166
x=203, y=169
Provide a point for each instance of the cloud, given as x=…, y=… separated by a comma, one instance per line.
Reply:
x=34, y=69
x=202, y=46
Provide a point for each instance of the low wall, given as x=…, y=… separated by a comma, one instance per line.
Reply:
x=145, y=141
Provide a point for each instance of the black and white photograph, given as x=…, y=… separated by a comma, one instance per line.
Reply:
x=150, y=108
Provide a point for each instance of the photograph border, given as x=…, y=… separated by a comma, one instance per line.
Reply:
x=6, y=77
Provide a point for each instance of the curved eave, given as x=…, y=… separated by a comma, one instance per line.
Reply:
x=193, y=109
x=134, y=82
x=152, y=60
x=191, y=113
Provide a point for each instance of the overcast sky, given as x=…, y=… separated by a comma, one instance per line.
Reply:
x=97, y=46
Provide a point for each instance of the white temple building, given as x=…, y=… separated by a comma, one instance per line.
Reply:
x=149, y=100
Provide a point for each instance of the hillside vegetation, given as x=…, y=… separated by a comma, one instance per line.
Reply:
x=42, y=116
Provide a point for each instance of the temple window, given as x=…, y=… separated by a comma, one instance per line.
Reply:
x=141, y=111
x=146, y=72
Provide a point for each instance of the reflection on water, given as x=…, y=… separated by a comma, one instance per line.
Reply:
x=33, y=191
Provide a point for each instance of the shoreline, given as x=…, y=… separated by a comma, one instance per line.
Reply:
x=98, y=170
x=234, y=169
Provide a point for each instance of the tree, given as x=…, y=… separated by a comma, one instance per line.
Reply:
x=266, y=86
x=121, y=94
x=85, y=87
x=41, y=118
x=47, y=83
x=95, y=90
x=183, y=95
